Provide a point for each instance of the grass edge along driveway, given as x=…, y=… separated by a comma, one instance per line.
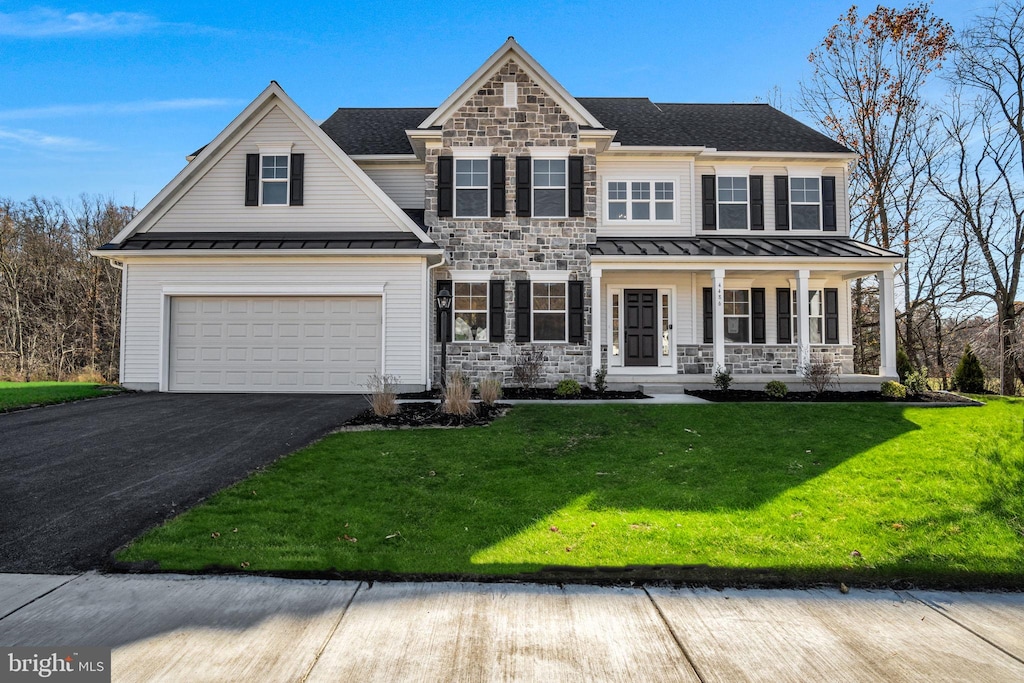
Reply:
x=17, y=395
x=866, y=492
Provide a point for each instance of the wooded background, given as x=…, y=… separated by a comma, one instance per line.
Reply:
x=936, y=114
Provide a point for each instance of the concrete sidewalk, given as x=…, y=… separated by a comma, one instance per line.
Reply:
x=178, y=628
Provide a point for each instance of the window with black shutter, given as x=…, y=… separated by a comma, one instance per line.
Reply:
x=831, y=316
x=576, y=187
x=757, y=316
x=756, y=202
x=522, y=310
x=252, y=179
x=496, y=311
x=445, y=186
x=707, y=196
x=709, y=317
x=298, y=180
x=524, y=174
x=781, y=202
x=497, y=187
x=576, y=312
x=828, y=203
x=782, y=316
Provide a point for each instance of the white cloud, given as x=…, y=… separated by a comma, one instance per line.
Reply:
x=24, y=137
x=113, y=108
x=42, y=22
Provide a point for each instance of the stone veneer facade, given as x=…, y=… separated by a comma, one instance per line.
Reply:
x=759, y=359
x=507, y=248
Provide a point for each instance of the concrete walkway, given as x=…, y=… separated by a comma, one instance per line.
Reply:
x=176, y=628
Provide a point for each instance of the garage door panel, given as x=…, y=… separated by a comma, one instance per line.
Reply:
x=274, y=343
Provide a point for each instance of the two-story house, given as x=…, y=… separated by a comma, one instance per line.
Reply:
x=659, y=241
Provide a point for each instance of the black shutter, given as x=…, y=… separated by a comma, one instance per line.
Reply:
x=707, y=197
x=445, y=186
x=524, y=184
x=757, y=202
x=444, y=318
x=575, y=187
x=297, y=181
x=783, y=319
x=831, y=316
x=781, y=202
x=522, y=310
x=709, y=317
x=252, y=179
x=496, y=312
x=497, y=187
x=828, y=203
x=757, y=332
x=576, y=312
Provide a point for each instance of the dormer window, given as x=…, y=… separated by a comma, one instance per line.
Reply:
x=274, y=179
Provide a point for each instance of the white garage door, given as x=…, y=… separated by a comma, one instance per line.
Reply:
x=264, y=344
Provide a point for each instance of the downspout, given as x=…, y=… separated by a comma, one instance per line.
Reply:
x=428, y=364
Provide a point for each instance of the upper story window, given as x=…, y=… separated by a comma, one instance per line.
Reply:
x=805, y=203
x=732, y=203
x=550, y=188
x=274, y=179
x=470, y=311
x=471, y=182
x=641, y=200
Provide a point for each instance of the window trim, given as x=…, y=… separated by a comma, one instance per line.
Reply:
x=792, y=203
x=748, y=316
x=534, y=158
x=719, y=202
x=456, y=281
x=485, y=188
x=286, y=181
x=542, y=280
x=795, y=318
x=653, y=202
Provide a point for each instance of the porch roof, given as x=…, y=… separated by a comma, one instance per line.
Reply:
x=734, y=247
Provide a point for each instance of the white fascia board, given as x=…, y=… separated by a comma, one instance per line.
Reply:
x=825, y=156
x=388, y=158
x=228, y=254
x=241, y=124
x=540, y=75
x=749, y=263
x=618, y=148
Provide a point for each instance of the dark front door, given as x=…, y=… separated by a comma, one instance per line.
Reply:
x=641, y=327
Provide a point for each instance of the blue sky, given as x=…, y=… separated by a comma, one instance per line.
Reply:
x=108, y=97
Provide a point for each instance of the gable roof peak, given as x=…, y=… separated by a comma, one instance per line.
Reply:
x=511, y=49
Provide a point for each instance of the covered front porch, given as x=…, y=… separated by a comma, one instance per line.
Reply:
x=667, y=320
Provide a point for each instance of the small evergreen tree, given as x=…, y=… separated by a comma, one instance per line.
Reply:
x=903, y=365
x=969, y=376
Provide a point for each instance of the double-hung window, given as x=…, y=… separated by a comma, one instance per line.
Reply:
x=471, y=182
x=550, y=188
x=805, y=203
x=274, y=179
x=815, y=319
x=470, y=311
x=732, y=203
x=737, y=315
x=641, y=200
x=549, y=311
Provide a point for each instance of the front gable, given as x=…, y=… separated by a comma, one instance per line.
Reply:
x=209, y=195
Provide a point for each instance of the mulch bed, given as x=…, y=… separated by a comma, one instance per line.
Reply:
x=542, y=394
x=749, y=396
x=429, y=415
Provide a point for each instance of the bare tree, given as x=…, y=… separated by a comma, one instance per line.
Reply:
x=980, y=169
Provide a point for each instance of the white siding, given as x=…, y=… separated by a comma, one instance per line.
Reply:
x=404, y=183
x=769, y=173
x=646, y=168
x=331, y=200
x=402, y=280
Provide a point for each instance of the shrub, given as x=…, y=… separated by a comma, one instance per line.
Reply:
x=969, y=377
x=903, y=365
x=568, y=388
x=820, y=374
x=526, y=367
x=917, y=381
x=776, y=389
x=456, y=395
x=91, y=375
x=723, y=378
x=383, y=397
x=490, y=391
x=894, y=390
x=601, y=380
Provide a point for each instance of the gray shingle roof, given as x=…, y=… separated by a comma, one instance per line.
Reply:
x=153, y=241
x=818, y=247
x=726, y=127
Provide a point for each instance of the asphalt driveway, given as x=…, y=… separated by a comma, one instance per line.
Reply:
x=78, y=480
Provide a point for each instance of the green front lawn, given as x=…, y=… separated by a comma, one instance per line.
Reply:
x=931, y=494
x=21, y=394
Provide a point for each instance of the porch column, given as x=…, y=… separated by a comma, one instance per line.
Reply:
x=596, y=304
x=803, y=325
x=718, y=296
x=887, y=323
